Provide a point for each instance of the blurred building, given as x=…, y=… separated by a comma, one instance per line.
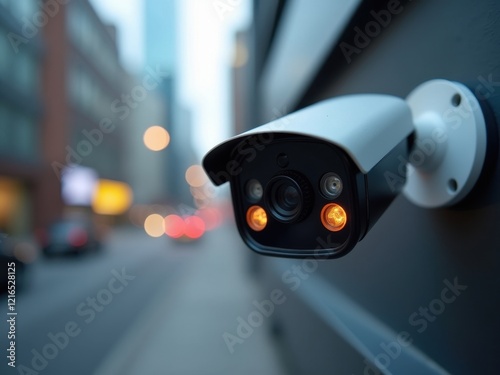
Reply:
x=86, y=104
x=242, y=83
x=146, y=169
x=98, y=101
x=182, y=153
x=62, y=103
x=21, y=52
x=161, y=51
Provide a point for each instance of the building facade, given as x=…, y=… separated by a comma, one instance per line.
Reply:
x=21, y=54
x=62, y=103
x=161, y=51
x=85, y=98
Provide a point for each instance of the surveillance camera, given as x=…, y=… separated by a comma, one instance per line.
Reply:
x=315, y=177
x=314, y=182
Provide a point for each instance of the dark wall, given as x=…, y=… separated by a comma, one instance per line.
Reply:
x=403, y=263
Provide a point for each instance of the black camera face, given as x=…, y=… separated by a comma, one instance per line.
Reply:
x=297, y=197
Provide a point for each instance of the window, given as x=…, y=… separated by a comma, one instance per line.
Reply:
x=5, y=54
x=26, y=74
x=17, y=135
x=4, y=129
x=23, y=136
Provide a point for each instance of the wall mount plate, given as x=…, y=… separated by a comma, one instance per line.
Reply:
x=450, y=144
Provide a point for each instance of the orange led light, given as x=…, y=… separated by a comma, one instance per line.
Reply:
x=256, y=218
x=333, y=217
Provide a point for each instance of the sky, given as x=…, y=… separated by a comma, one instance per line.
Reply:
x=204, y=41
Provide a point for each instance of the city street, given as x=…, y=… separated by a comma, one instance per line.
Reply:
x=126, y=310
x=58, y=290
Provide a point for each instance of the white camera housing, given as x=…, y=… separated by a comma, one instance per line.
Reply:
x=367, y=126
x=314, y=182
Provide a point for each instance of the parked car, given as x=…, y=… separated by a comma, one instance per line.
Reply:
x=70, y=237
x=13, y=261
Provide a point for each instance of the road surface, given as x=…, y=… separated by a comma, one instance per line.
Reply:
x=75, y=309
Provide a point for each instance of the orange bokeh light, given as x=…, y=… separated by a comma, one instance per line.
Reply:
x=156, y=138
x=154, y=225
x=196, y=176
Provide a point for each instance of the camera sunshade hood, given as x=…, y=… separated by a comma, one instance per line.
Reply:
x=366, y=127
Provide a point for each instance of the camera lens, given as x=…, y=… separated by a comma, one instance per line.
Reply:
x=285, y=198
x=288, y=197
x=331, y=185
x=254, y=190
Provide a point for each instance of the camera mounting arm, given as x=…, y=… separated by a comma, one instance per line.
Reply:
x=450, y=144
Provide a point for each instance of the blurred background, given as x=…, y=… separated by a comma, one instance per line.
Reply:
x=127, y=259
x=106, y=109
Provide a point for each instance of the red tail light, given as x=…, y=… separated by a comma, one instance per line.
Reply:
x=42, y=236
x=77, y=237
x=195, y=227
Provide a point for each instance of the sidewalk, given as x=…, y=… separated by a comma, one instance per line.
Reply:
x=182, y=334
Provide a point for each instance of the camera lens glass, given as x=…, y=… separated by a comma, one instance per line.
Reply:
x=285, y=198
x=254, y=190
x=331, y=185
